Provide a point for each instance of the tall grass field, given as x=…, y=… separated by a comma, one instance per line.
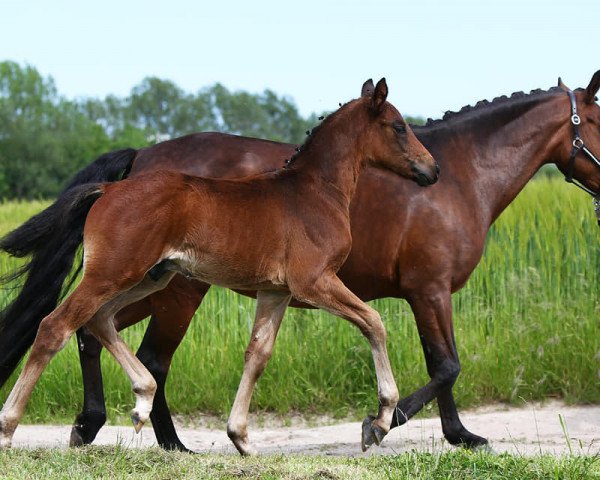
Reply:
x=527, y=327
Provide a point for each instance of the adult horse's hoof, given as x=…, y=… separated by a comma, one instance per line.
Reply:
x=86, y=427
x=466, y=439
x=371, y=433
x=76, y=440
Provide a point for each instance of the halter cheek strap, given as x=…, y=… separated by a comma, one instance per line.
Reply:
x=579, y=146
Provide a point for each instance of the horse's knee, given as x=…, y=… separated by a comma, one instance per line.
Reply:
x=447, y=372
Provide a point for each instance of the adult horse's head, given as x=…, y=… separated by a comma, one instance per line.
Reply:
x=579, y=156
x=391, y=143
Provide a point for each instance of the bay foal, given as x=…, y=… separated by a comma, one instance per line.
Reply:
x=283, y=234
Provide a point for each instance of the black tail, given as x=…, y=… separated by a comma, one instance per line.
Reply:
x=52, y=238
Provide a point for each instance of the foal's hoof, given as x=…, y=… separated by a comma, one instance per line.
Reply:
x=138, y=423
x=5, y=436
x=371, y=433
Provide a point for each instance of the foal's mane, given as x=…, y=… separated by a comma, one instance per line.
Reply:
x=326, y=119
x=484, y=105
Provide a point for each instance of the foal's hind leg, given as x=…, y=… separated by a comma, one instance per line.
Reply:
x=53, y=333
x=93, y=413
x=102, y=326
x=332, y=295
x=270, y=308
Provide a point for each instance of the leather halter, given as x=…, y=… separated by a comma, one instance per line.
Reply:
x=579, y=146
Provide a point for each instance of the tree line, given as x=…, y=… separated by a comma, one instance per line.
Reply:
x=45, y=138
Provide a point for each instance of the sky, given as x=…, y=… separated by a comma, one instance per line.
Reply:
x=436, y=55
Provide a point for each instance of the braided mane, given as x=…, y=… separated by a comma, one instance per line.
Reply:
x=483, y=104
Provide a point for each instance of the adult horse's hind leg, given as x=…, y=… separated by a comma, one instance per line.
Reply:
x=332, y=295
x=270, y=308
x=433, y=314
x=93, y=414
x=173, y=309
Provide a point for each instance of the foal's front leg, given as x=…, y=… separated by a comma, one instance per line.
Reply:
x=270, y=308
x=329, y=293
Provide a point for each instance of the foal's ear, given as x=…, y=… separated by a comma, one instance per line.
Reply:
x=562, y=85
x=592, y=88
x=367, y=88
x=379, y=96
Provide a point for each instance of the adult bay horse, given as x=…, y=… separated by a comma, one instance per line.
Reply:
x=422, y=253
x=284, y=233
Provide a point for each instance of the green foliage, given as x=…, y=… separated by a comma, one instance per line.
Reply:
x=526, y=327
x=45, y=138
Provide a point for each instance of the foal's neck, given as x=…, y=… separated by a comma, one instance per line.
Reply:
x=333, y=157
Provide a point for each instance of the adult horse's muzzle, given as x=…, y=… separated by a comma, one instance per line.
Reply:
x=425, y=176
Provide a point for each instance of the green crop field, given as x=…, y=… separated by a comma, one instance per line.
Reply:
x=527, y=327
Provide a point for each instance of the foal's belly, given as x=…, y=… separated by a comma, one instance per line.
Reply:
x=231, y=270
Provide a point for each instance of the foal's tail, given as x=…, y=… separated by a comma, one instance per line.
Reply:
x=52, y=238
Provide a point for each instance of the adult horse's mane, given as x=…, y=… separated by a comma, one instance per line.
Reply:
x=486, y=104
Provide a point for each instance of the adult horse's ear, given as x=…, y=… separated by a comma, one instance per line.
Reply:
x=379, y=96
x=592, y=88
x=562, y=85
x=367, y=88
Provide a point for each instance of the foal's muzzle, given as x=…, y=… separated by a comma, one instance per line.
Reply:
x=424, y=176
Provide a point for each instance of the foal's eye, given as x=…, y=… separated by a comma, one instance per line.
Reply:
x=399, y=127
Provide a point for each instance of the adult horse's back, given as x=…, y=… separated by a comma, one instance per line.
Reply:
x=422, y=253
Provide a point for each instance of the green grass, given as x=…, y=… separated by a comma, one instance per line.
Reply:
x=118, y=462
x=526, y=325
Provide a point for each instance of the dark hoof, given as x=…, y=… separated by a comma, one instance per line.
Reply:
x=371, y=434
x=86, y=428
x=466, y=439
x=176, y=447
x=76, y=439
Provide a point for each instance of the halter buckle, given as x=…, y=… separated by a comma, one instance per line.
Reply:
x=578, y=143
x=575, y=119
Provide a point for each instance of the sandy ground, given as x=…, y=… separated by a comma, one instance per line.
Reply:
x=529, y=430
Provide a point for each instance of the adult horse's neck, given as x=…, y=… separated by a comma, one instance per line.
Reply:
x=490, y=152
x=332, y=155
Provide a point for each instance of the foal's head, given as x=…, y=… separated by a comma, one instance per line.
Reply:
x=389, y=141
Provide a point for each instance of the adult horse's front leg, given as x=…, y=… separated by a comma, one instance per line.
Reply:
x=433, y=314
x=270, y=307
x=329, y=293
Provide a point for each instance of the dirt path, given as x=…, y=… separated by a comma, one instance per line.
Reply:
x=529, y=430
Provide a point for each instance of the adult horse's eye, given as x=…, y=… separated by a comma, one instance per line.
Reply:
x=399, y=127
